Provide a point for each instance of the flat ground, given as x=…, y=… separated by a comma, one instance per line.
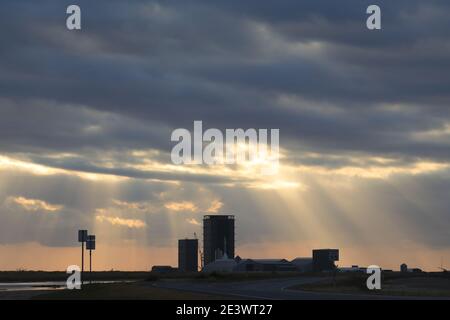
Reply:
x=256, y=286
x=395, y=284
x=125, y=291
x=40, y=276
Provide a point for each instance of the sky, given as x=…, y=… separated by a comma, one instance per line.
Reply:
x=86, y=119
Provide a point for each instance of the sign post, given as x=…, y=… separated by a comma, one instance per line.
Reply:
x=90, y=245
x=82, y=237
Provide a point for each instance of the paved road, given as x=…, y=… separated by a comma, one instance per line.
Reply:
x=271, y=289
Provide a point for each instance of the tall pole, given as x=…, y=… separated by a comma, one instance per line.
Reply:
x=82, y=237
x=82, y=262
x=90, y=245
x=90, y=266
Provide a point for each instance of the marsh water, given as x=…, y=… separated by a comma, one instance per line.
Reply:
x=39, y=286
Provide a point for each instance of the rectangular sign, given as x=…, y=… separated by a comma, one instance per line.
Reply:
x=82, y=235
x=90, y=243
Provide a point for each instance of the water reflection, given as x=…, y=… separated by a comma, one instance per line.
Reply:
x=48, y=285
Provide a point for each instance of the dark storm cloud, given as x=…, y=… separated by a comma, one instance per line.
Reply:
x=141, y=68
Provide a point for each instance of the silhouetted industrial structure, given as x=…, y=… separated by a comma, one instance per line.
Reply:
x=265, y=265
x=164, y=269
x=218, y=237
x=303, y=264
x=188, y=255
x=323, y=259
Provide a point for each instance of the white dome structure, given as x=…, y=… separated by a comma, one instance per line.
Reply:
x=223, y=264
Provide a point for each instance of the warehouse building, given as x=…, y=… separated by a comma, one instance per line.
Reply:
x=264, y=265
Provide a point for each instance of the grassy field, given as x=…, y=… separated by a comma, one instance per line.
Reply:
x=125, y=291
x=40, y=276
x=393, y=284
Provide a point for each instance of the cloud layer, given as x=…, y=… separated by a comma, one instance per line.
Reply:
x=86, y=118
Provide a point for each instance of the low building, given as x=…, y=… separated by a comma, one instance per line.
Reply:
x=303, y=264
x=403, y=267
x=323, y=259
x=164, y=269
x=265, y=265
x=353, y=268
